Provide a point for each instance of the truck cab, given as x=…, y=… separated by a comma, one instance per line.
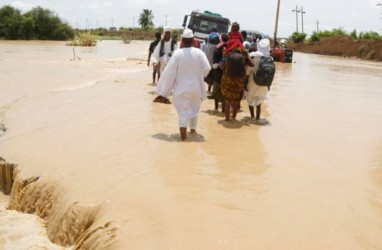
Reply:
x=202, y=23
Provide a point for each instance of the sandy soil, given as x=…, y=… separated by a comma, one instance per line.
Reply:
x=22, y=231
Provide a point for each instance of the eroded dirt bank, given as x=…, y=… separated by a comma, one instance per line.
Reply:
x=343, y=46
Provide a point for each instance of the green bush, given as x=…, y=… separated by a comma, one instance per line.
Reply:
x=354, y=34
x=338, y=32
x=298, y=37
x=84, y=39
x=370, y=35
x=317, y=36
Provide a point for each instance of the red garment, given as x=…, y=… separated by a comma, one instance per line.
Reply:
x=236, y=35
x=233, y=44
x=235, y=41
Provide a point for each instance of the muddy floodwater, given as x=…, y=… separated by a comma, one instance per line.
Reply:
x=112, y=173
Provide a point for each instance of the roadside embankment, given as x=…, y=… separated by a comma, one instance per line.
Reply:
x=344, y=46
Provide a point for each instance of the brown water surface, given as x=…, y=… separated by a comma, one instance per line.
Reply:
x=311, y=179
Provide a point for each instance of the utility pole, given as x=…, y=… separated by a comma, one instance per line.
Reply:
x=318, y=29
x=380, y=4
x=302, y=19
x=276, y=23
x=112, y=22
x=297, y=11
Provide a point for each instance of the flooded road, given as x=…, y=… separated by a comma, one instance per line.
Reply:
x=311, y=179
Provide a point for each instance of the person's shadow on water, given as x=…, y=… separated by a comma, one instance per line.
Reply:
x=214, y=113
x=191, y=137
x=231, y=124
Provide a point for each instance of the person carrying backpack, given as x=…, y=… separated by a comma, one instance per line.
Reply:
x=259, y=78
x=234, y=72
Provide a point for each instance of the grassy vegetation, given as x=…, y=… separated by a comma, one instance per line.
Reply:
x=317, y=36
x=298, y=37
x=338, y=42
x=127, y=34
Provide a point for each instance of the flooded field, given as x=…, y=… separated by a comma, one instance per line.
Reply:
x=113, y=173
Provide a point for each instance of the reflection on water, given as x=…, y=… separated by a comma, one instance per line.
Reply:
x=310, y=179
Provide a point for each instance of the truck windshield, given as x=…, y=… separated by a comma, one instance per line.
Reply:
x=205, y=25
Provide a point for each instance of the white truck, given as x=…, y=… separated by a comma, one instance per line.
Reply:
x=202, y=23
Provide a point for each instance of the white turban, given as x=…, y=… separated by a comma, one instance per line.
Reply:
x=264, y=46
x=187, y=33
x=167, y=29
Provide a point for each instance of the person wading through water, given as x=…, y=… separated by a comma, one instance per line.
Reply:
x=184, y=75
x=162, y=55
x=217, y=71
x=156, y=66
x=232, y=82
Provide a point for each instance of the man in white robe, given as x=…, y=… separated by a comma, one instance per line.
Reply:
x=164, y=49
x=185, y=75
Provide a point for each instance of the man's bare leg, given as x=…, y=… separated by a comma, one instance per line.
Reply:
x=258, y=112
x=154, y=75
x=252, y=111
x=183, y=133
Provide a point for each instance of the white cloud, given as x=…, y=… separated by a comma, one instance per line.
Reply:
x=137, y=3
x=96, y=6
x=22, y=6
x=162, y=2
x=108, y=4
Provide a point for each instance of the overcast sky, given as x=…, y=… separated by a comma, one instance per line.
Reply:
x=362, y=15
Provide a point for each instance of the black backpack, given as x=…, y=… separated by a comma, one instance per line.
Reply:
x=266, y=72
x=236, y=64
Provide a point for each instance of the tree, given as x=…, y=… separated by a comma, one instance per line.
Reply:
x=45, y=22
x=37, y=23
x=146, y=18
x=10, y=22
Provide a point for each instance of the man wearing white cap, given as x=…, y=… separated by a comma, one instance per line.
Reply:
x=256, y=94
x=185, y=74
x=164, y=49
